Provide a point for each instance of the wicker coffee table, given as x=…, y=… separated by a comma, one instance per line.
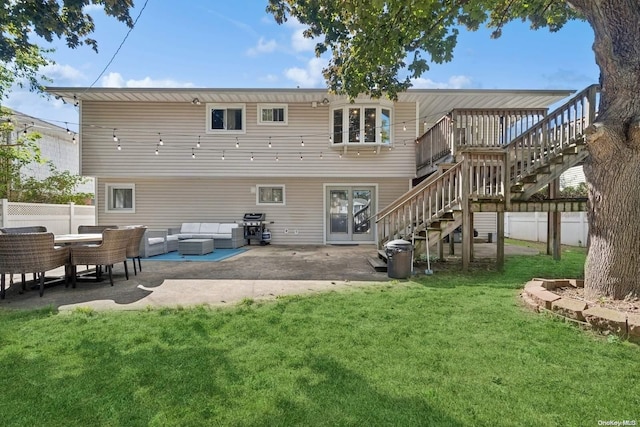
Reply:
x=195, y=246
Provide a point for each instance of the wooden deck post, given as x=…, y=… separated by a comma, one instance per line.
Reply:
x=467, y=218
x=554, y=220
x=500, y=240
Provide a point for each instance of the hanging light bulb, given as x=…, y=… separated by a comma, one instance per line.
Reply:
x=115, y=138
x=340, y=155
x=330, y=138
x=160, y=142
x=24, y=132
x=198, y=143
x=67, y=126
x=404, y=126
x=157, y=152
x=252, y=157
x=237, y=143
x=73, y=138
x=269, y=142
x=222, y=154
x=321, y=157
x=277, y=159
x=358, y=152
x=300, y=156
x=193, y=154
x=119, y=148
x=301, y=142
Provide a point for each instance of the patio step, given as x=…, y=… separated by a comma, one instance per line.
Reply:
x=377, y=264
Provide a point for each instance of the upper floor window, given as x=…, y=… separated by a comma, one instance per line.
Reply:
x=354, y=124
x=272, y=114
x=229, y=118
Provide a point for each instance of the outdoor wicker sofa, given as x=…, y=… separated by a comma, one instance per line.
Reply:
x=224, y=235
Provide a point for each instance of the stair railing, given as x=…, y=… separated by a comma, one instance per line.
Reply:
x=435, y=143
x=549, y=137
x=421, y=205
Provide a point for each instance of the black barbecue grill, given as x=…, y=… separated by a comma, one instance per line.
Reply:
x=255, y=228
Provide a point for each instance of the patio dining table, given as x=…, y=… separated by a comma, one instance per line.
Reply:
x=69, y=239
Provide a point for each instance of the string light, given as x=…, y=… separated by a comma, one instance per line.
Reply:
x=277, y=159
x=193, y=154
x=222, y=154
x=252, y=156
x=269, y=142
x=198, y=143
x=301, y=142
x=24, y=132
x=119, y=148
x=160, y=139
x=321, y=157
x=73, y=138
x=404, y=126
x=237, y=143
x=300, y=156
x=115, y=138
x=157, y=149
x=67, y=127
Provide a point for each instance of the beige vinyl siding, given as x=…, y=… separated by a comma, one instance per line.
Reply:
x=139, y=127
x=167, y=202
x=485, y=223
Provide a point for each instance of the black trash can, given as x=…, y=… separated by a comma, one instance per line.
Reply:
x=399, y=259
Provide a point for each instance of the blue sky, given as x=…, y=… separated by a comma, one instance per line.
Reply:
x=236, y=44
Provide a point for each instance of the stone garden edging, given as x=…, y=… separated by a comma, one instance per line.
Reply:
x=539, y=295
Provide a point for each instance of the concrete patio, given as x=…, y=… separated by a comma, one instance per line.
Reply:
x=258, y=273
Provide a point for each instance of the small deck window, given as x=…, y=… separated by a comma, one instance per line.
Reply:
x=270, y=195
x=272, y=114
x=120, y=198
x=226, y=118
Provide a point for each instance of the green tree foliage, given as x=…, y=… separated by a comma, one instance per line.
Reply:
x=26, y=23
x=19, y=149
x=378, y=46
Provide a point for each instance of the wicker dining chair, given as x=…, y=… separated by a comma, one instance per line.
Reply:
x=21, y=230
x=133, y=248
x=90, y=229
x=112, y=250
x=27, y=253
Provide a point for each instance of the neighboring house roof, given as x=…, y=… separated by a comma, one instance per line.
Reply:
x=433, y=103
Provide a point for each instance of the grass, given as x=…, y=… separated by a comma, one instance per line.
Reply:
x=450, y=349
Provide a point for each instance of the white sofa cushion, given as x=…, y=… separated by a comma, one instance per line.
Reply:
x=226, y=228
x=190, y=228
x=171, y=237
x=155, y=240
x=209, y=227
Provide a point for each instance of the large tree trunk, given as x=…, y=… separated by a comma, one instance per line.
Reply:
x=613, y=168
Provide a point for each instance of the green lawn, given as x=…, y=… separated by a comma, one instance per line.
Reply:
x=450, y=349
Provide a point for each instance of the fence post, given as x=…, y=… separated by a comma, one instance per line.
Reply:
x=5, y=213
x=72, y=216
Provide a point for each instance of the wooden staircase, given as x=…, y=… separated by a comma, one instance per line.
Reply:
x=493, y=175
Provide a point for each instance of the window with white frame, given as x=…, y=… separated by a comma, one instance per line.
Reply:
x=120, y=198
x=272, y=114
x=226, y=118
x=270, y=195
x=355, y=124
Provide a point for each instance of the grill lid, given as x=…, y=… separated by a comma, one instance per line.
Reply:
x=254, y=217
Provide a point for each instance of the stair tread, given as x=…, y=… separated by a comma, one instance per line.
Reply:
x=377, y=264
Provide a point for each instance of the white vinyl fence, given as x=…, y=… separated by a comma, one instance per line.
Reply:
x=532, y=226
x=59, y=219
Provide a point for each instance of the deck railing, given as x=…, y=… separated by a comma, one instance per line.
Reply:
x=473, y=128
x=421, y=205
x=557, y=131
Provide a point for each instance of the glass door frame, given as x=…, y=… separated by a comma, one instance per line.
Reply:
x=350, y=236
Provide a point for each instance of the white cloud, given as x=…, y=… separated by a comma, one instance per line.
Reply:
x=454, y=82
x=299, y=43
x=263, y=47
x=92, y=8
x=269, y=78
x=64, y=74
x=311, y=76
x=116, y=80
